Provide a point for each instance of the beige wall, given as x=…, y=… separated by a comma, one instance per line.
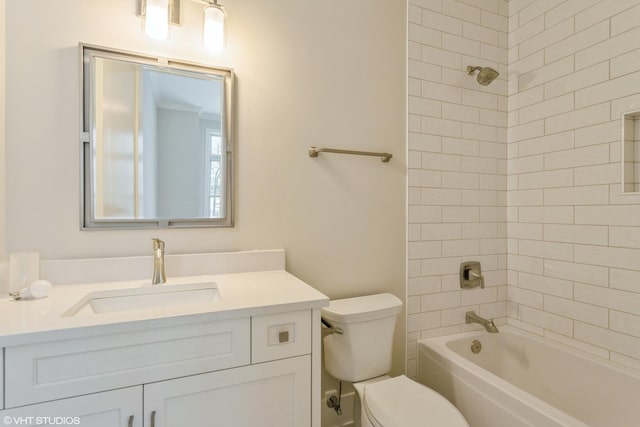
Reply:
x=308, y=73
x=4, y=273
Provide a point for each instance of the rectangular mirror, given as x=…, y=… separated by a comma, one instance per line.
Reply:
x=156, y=137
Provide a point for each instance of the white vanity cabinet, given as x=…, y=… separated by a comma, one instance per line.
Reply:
x=46, y=371
x=246, y=372
x=272, y=394
x=116, y=408
x=274, y=391
x=250, y=357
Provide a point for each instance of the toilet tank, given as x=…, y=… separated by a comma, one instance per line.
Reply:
x=363, y=350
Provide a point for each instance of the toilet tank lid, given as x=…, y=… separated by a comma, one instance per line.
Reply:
x=360, y=309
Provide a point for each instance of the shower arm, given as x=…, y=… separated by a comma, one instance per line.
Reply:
x=471, y=69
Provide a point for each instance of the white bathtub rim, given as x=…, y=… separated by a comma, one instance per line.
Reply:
x=471, y=374
x=620, y=368
x=518, y=407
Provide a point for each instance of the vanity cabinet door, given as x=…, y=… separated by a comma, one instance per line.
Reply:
x=117, y=408
x=273, y=394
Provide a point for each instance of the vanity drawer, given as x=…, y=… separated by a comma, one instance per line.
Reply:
x=281, y=335
x=53, y=370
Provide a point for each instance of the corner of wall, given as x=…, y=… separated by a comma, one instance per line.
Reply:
x=457, y=165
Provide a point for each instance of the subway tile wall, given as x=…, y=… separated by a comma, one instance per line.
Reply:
x=457, y=164
x=573, y=237
x=524, y=175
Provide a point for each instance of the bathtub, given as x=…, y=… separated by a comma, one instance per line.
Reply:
x=519, y=379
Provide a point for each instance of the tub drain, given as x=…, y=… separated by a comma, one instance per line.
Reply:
x=476, y=346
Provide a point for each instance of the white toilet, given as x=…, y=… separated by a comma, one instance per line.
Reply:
x=359, y=351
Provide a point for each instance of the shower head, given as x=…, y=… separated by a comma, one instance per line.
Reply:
x=485, y=76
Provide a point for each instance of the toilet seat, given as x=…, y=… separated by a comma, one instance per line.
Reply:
x=402, y=402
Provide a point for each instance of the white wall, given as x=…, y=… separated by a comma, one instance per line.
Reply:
x=341, y=218
x=574, y=240
x=181, y=164
x=308, y=73
x=457, y=165
x=149, y=151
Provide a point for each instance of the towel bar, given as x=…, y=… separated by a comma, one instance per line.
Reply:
x=313, y=152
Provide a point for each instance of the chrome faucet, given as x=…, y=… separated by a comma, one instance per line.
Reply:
x=158, y=262
x=472, y=317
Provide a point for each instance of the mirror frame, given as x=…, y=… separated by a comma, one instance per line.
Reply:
x=88, y=221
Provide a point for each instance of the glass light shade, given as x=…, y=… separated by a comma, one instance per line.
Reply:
x=156, y=23
x=213, y=31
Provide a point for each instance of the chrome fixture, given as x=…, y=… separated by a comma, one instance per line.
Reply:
x=332, y=329
x=472, y=317
x=158, y=262
x=333, y=401
x=476, y=346
x=313, y=152
x=471, y=275
x=158, y=14
x=485, y=76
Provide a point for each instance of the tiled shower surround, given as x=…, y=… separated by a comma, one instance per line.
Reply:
x=524, y=175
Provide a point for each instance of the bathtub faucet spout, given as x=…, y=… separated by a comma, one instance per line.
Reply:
x=472, y=317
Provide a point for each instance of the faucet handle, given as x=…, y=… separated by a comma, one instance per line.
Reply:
x=157, y=244
x=471, y=275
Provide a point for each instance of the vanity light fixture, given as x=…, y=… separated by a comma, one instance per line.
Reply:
x=158, y=14
x=156, y=22
x=213, y=27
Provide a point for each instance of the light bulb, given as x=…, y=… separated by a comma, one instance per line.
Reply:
x=156, y=23
x=38, y=289
x=213, y=28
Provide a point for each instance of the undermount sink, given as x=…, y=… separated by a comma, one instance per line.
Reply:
x=148, y=297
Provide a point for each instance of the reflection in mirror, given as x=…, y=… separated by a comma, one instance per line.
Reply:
x=157, y=142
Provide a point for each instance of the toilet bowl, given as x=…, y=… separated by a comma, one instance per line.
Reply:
x=358, y=350
x=399, y=401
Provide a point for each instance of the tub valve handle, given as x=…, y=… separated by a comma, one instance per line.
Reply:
x=471, y=275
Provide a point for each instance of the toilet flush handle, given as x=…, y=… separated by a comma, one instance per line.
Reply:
x=332, y=329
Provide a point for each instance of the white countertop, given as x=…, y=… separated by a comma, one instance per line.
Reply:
x=240, y=295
